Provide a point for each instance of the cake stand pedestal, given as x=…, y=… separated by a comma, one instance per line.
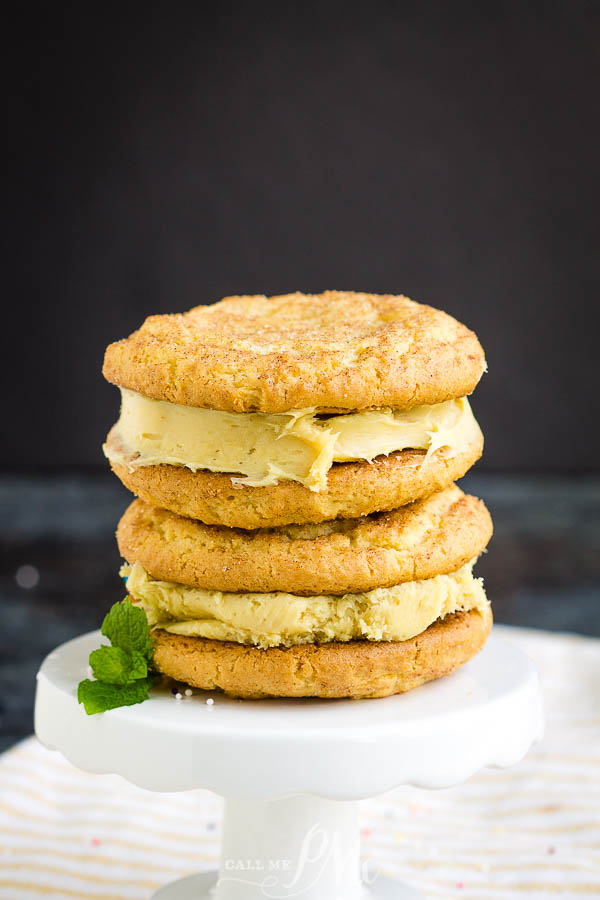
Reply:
x=292, y=771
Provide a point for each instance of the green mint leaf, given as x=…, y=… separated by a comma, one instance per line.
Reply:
x=126, y=626
x=122, y=670
x=97, y=696
x=115, y=666
x=139, y=665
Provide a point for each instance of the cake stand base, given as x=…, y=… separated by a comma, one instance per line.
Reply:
x=292, y=771
x=301, y=846
x=202, y=887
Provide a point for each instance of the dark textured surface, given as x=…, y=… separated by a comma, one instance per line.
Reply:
x=542, y=568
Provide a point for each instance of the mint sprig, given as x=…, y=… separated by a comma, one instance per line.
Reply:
x=126, y=626
x=116, y=666
x=99, y=696
x=122, y=670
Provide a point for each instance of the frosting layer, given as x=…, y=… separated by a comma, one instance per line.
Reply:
x=278, y=619
x=262, y=449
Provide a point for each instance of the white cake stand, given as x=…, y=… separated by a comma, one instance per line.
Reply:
x=292, y=771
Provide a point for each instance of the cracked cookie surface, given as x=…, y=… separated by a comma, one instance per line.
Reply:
x=429, y=537
x=339, y=350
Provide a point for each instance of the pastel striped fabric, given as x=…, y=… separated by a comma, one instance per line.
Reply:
x=531, y=831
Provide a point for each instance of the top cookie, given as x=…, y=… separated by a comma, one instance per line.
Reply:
x=334, y=351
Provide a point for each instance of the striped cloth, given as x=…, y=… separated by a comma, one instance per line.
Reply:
x=531, y=831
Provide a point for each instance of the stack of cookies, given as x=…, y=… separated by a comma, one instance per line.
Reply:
x=298, y=531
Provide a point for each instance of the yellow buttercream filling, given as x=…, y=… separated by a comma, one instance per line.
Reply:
x=277, y=619
x=262, y=449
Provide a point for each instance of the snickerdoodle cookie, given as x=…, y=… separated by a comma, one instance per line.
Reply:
x=358, y=669
x=429, y=537
x=335, y=350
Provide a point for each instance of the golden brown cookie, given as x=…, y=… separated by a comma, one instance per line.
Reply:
x=353, y=489
x=429, y=537
x=358, y=669
x=336, y=350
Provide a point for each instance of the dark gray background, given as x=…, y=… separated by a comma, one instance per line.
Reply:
x=447, y=151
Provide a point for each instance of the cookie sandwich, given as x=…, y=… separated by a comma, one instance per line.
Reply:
x=264, y=411
x=297, y=531
x=346, y=608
